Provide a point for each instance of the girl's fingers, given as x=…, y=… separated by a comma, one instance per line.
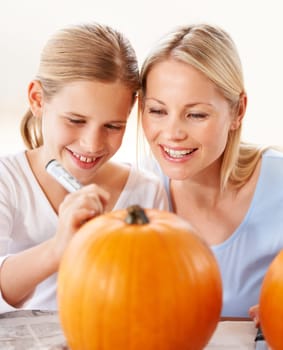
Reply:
x=94, y=190
x=75, y=210
x=80, y=206
x=90, y=196
x=82, y=216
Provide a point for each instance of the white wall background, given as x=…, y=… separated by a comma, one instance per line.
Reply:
x=256, y=27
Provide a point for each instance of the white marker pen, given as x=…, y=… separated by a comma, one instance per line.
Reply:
x=68, y=181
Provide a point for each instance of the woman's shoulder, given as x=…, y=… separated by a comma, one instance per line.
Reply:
x=273, y=153
x=271, y=172
x=272, y=160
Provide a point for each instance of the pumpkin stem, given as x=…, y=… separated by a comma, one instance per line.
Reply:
x=136, y=215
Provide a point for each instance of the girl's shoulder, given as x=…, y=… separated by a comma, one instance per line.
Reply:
x=144, y=188
x=14, y=166
x=133, y=173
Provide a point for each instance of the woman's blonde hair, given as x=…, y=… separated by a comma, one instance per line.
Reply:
x=81, y=52
x=212, y=51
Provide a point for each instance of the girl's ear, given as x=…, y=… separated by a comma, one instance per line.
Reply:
x=35, y=97
x=240, y=112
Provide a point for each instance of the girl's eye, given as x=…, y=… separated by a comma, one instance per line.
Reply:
x=76, y=121
x=115, y=126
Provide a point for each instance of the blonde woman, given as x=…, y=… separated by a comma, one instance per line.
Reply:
x=193, y=102
x=79, y=103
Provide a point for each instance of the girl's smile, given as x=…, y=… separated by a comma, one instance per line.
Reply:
x=90, y=119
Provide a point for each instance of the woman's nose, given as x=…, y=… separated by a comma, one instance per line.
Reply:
x=176, y=130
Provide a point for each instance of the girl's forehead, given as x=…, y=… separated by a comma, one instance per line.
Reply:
x=89, y=99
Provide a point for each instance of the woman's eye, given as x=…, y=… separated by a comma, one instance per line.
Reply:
x=156, y=111
x=197, y=115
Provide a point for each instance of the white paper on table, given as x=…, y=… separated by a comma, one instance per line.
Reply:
x=231, y=335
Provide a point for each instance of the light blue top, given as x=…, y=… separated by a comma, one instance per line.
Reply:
x=245, y=256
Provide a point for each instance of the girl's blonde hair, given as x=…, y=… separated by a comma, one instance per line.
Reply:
x=81, y=52
x=212, y=51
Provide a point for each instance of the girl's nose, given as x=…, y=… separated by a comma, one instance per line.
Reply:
x=92, y=140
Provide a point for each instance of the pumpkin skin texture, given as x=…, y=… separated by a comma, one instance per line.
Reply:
x=271, y=304
x=146, y=284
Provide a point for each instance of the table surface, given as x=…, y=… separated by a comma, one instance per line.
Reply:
x=40, y=330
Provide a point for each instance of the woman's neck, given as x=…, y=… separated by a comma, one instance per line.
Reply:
x=203, y=188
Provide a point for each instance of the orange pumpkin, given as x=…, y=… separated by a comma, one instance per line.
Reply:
x=138, y=280
x=271, y=304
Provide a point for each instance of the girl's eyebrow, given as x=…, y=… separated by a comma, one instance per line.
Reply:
x=117, y=122
x=78, y=115
x=73, y=114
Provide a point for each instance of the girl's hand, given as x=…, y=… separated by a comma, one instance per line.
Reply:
x=77, y=208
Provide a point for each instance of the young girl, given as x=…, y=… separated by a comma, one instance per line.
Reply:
x=79, y=103
x=192, y=104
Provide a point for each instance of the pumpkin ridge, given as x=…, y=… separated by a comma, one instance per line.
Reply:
x=180, y=260
x=100, y=309
x=174, y=265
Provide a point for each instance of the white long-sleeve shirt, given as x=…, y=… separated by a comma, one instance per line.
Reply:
x=27, y=218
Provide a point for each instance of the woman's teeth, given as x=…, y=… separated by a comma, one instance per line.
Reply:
x=177, y=153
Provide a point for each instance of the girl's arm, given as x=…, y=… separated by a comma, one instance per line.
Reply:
x=22, y=272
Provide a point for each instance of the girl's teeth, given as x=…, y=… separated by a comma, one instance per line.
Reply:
x=84, y=159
